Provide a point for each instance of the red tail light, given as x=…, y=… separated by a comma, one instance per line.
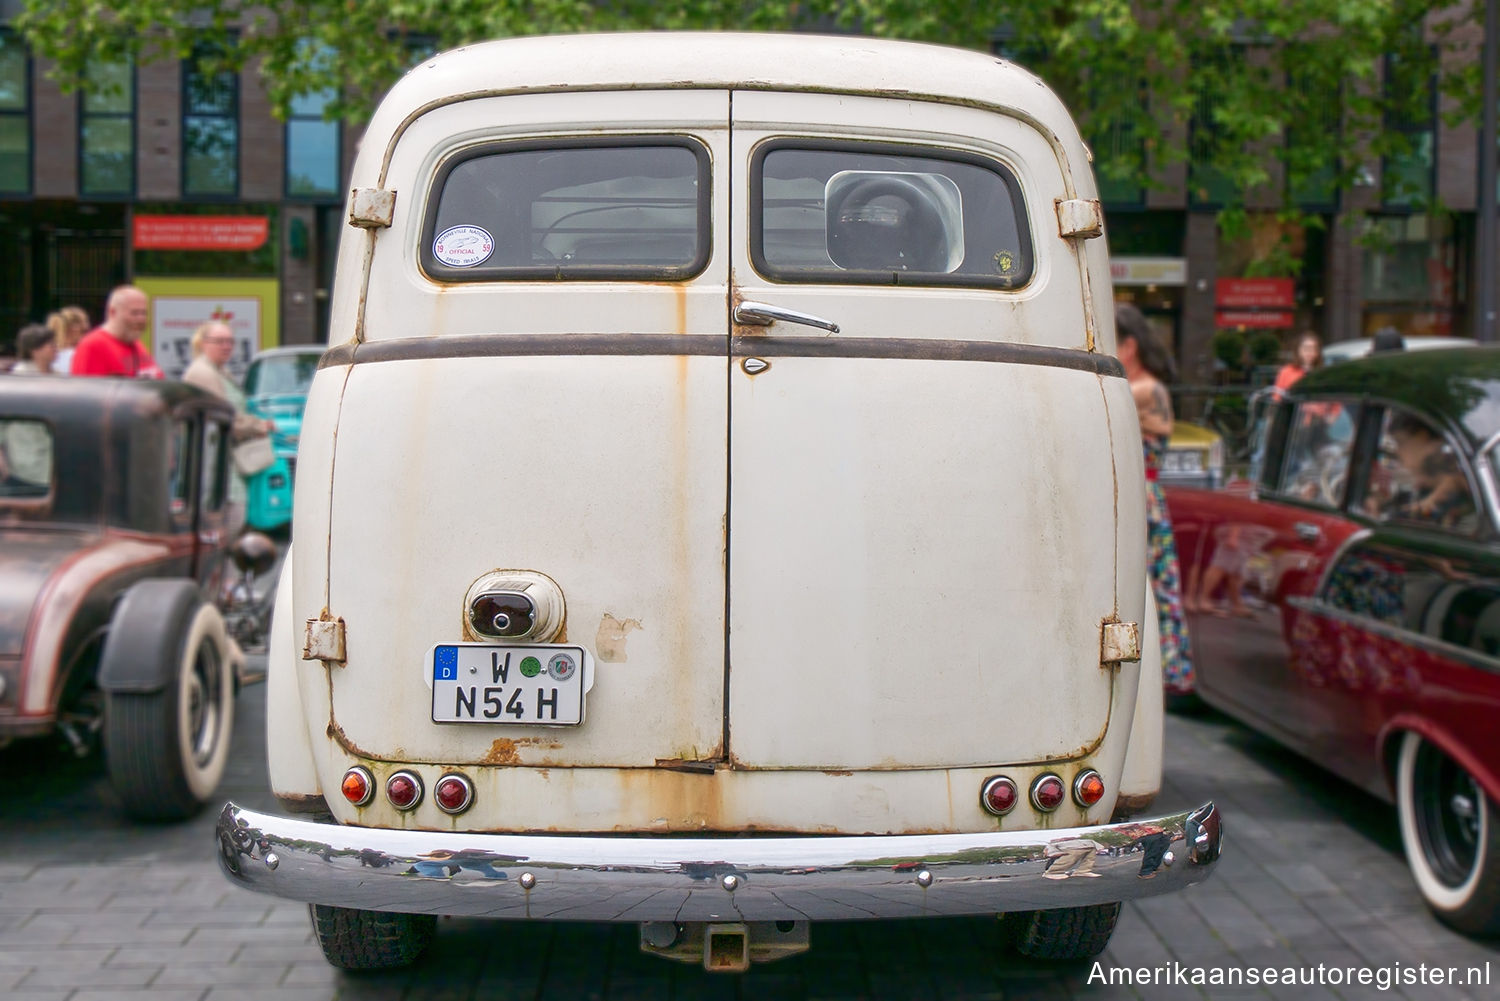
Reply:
x=1048, y=793
x=358, y=786
x=1088, y=787
x=999, y=795
x=453, y=793
x=404, y=790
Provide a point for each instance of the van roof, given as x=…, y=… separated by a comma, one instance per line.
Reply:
x=849, y=64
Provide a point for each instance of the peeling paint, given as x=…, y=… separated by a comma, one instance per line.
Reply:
x=609, y=641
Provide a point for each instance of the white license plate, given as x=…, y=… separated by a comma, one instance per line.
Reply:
x=494, y=683
x=1182, y=462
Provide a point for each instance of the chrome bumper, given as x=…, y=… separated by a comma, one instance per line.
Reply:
x=760, y=878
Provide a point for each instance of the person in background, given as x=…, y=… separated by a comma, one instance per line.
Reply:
x=114, y=347
x=1149, y=367
x=37, y=346
x=1306, y=356
x=68, y=325
x=213, y=346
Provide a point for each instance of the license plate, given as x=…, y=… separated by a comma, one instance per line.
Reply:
x=493, y=683
x=1182, y=462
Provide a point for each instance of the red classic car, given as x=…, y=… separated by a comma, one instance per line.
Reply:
x=1346, y=602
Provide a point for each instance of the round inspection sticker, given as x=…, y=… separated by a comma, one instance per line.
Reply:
x=463, y=246
x=561, y=667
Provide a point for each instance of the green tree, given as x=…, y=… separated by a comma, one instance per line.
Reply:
x=1238, y=85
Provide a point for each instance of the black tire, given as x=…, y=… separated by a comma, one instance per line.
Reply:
x=1067, y=933
x=166, y=749
x=1451, y=832
x=371, y=940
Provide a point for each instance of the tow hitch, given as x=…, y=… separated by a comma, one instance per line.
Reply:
x=725, y=947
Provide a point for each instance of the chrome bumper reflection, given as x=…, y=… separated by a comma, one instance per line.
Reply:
x=575, y=878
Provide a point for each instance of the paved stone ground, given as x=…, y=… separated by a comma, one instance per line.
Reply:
x=93, y=908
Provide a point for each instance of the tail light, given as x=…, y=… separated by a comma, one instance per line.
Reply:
x=453, y=793
x=999, y=795
x=1088, y=787
x=358, y=786
x=404, y=790
x=1048, y=793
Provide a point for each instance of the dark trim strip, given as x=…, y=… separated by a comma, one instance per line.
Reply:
x=917, y=349
x=1438, y=648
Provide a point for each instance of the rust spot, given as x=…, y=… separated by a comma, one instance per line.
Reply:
x=502, y=752
x=609, y=641
x=837, y=773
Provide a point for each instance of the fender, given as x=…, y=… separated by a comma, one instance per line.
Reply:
x=128, y=663
x=289, y=755
x=1389, y=743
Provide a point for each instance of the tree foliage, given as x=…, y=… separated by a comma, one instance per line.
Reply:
x=1262, y=95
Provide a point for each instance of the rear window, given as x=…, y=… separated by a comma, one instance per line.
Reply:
x=25, y=459
x=826, y=212
x=586, y=209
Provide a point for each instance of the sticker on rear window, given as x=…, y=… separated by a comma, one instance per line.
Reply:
x=463, y=246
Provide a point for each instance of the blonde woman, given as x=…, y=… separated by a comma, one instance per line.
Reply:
x=213, y=346
x=68, y=325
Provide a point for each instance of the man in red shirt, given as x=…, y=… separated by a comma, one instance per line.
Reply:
x=114, y=347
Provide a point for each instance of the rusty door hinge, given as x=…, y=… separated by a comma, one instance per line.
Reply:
x=1079, y=217
x=324, y=640
x=371, y=208
x=1119, y=642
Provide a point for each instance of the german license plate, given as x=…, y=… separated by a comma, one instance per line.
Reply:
x=494, y=683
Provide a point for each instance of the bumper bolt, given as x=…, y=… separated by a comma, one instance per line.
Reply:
x=924, y=878
x=730, y=883
x=272, y=861
x=527, y=881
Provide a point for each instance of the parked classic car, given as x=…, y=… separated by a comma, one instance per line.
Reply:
x=1348, y=601
x=1194, y=457
x=112, y=534
x=276, y=385
x=717, y=522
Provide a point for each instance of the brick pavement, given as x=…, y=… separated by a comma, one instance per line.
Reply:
x=93, y=908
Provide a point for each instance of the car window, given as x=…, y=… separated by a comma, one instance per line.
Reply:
x=1417, y=478
x=25, y=459
x=571, y=209
x=883, y=215
x=281, y=374
x=1315, y=461
x=215, y=465
x=180, y=473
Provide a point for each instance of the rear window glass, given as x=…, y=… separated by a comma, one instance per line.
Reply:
x=886, y=215
x=570, y=210
x=25, y=459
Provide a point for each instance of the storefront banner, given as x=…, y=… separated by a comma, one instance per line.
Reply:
x=1259, y=320
x=200, y=232
x=249, y=306
x=1148, y=270
x=1252, y=293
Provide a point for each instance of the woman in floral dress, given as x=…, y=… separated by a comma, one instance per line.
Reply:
x=1148, y=367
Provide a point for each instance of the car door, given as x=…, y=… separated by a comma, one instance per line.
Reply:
x=1248, y=555
x=541, y=387
x=909, y=564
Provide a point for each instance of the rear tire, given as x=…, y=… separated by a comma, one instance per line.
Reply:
x=1067, y=933
x=371, y=940
x=166, y=750
x=1451, y=832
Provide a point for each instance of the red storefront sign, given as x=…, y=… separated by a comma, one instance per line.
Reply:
x=200, y=232
x=1255, y=293
x=1262, y=320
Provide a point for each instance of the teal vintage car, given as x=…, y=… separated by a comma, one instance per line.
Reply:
x=276, y=388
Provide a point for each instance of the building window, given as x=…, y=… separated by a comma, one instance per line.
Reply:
x=1311, y=174
x=210, y=128
x=15, y=115
x=1408, y=174
x=1209, y=185
x=106, y=131
x=312, y=143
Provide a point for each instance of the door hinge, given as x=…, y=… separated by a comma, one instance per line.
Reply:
x=324, y=640
x=1119, y=642
x=371, y=208
x=1079, y=218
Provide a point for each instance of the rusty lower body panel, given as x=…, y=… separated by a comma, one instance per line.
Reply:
x=761, y=878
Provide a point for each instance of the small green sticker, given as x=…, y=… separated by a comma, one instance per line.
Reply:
x=1005, y=262
x=531, y=667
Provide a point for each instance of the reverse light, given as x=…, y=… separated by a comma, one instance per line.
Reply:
x=999, y=795
x=1088, y=787
x=1048, y=793
x=454, y=793
x=358, y=785
x=404, y=790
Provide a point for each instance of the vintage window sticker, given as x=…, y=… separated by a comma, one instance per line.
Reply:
x=1005, y=262
x=463, y=246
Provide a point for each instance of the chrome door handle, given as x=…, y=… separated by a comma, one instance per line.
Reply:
x=762, y=313
x=1307, y=531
